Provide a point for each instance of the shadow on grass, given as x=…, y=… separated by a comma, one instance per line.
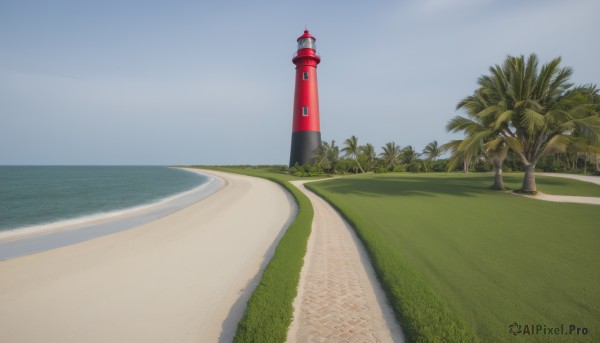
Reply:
x=408, y=185
x=540, y=180
x=551, y=181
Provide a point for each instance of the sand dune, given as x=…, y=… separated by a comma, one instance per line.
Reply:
x=183, y=278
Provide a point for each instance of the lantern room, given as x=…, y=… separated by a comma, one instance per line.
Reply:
x=306, y=41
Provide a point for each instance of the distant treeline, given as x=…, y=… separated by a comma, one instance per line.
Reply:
x=329, y=161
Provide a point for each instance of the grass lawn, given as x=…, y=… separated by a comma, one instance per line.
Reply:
x=269, y=310
x=554, y=185
x=456, y=258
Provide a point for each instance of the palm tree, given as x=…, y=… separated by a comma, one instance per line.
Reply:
x=431, y=151
x=482, y=138
x=461, y=151
x=496, y=151
x=536, y=112
x=391, y=155
x=579, y=146
x=409, y=155
x=368, y=151
x=595, y=100
x=351, y=149
x=327, y=155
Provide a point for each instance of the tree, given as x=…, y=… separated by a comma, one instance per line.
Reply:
x=580, y=147
x=409, y=155
x=391, y=155
x=327, y=155
x=496, y=151
x=460, y=154
x=482, y=138
x=595, y=100
x=368, y=151
x=351, y=149
x=431, y=151
x=536, y=111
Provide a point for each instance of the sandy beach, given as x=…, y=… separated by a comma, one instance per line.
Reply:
x=183, y=278
x=43, y=237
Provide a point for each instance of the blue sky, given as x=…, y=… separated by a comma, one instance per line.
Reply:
x=196, y=82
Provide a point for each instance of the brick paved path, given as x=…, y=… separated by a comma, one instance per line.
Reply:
x=339, y=298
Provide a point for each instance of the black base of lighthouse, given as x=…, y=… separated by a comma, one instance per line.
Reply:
x=304, y=144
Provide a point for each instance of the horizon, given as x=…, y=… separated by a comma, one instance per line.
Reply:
x=212, y=84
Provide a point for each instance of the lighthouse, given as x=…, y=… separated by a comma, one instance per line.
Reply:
x=306, y=130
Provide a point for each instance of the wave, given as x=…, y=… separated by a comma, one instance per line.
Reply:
x=175, y=202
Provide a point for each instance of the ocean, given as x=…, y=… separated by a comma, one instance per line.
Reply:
x=37, y=195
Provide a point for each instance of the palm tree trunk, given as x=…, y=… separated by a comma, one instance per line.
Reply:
x=466, y=165
x=498, y=180
x=529, y=185
x=359, y=167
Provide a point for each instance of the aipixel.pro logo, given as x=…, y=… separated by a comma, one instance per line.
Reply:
x=542, y=329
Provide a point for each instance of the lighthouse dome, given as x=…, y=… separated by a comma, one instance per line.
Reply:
x=306, y=41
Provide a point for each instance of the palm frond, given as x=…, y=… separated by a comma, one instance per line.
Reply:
x=496, y=144
x=514, y=144
x=556, y=144
x=532, y=120
x=458, y=124
x=557, y=117
x=503, y=119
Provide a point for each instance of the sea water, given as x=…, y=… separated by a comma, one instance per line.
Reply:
x=36, y=195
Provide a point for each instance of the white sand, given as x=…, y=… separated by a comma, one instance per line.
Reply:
x=567, y=198
x=585, y=178
x=183, y=278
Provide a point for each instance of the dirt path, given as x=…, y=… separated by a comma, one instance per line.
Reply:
x=564, y=198
x=568, y=198
x=339, y=297
x=586, y=178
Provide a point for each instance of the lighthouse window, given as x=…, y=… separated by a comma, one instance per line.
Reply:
x=305, y=75
x=305, y=43
x=305, y=111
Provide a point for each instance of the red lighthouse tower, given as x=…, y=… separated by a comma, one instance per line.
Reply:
x=306, y=130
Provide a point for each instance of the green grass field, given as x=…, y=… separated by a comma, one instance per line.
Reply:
x=456, y=258
x=554, y=185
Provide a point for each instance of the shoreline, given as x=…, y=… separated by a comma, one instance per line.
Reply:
x=42, y=237
x=185, y=277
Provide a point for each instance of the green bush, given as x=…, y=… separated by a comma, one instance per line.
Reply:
x=400, y=169
x=482, y=166
x=556, y=166
x=439, y=166
x=306, y=170
x=415, y=167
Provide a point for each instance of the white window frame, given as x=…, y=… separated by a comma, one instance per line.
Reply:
x=305, y=111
